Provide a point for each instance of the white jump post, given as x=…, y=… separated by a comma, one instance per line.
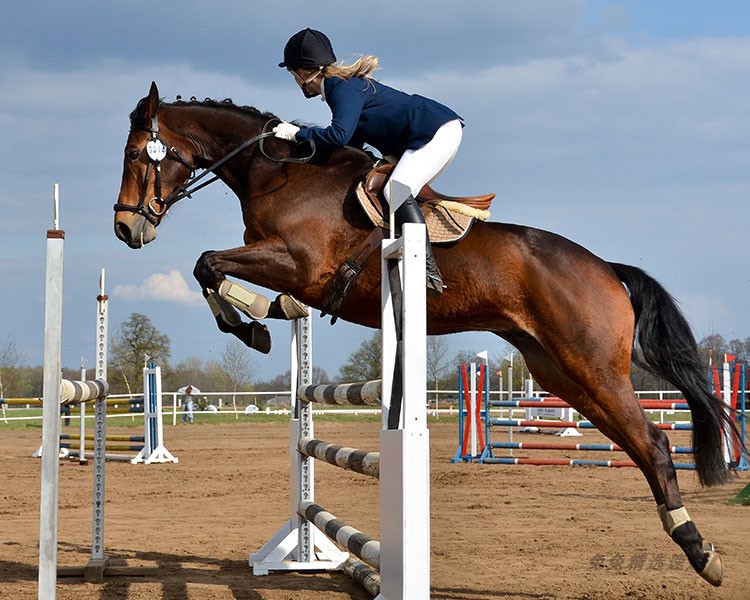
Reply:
x=51, y=407
x=153, y=450
x=56, y=391
x=94, y=570
x=298, y=545
x=404, y=455
x=405, y=451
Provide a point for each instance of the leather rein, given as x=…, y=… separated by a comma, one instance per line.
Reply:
x=157, y=151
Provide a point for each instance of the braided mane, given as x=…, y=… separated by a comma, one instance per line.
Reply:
x=138, y=118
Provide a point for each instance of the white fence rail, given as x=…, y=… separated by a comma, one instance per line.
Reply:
x=225, y=402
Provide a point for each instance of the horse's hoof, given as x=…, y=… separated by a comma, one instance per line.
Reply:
x=713, y=572
x=261, y=337
x=291, y=307
x=254, y=335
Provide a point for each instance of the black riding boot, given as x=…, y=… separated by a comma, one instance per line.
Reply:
x=409, y=212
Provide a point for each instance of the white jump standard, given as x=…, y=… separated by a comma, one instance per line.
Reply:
x=402, y=465
x=57, y=392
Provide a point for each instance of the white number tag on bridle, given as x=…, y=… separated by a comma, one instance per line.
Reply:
x=156, y=150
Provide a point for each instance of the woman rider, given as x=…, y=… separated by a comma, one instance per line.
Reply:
x=422, y=134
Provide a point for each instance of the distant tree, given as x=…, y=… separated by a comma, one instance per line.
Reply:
x=644, y=380
x=712, y=348
x=281, y=382
x=12, y=360
x=136, y=338
x=319, y=375
x=437, y=361
x=740, y=349
x=237, y=366
x=214, y=377
x=205, y=375
x=190, y=371
x=30, y=382
x=364, y=363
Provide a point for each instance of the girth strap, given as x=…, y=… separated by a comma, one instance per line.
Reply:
x=341, y=284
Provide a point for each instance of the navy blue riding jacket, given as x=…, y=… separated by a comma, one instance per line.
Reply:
x=366, y=111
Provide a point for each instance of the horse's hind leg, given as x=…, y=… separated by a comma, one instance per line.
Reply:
x=609, y=402
x=623, y=421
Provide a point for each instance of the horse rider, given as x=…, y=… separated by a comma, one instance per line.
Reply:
x=421, y=133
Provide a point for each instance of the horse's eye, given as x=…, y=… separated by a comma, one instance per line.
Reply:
x=133, y=153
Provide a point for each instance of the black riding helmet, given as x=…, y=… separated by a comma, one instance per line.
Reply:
x=308, y=49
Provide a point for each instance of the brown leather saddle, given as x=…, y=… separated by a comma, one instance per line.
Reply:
x=448, y=218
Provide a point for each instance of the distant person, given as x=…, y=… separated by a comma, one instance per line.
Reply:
x=65, y=411
x=187, y=405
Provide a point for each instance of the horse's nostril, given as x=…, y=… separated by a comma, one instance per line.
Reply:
x=122, y=231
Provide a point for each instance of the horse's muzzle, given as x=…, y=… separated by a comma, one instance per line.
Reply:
x=134, y=230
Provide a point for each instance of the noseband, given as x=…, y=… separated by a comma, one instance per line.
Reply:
x=157, y=151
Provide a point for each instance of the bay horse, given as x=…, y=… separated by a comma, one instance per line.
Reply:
x=575, y=317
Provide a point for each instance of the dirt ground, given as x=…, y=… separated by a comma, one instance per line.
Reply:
x=498, y=532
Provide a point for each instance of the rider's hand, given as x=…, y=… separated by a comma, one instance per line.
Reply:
x=286, y=131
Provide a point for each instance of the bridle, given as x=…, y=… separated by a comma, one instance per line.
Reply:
x=157, y=152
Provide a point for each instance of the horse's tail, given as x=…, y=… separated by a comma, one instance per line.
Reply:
x=668, y=349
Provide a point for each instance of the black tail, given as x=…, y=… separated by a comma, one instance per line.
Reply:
x=668, y=349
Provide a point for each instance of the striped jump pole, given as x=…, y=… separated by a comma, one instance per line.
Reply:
x=552, y=403
x=579, y=447
x=367, y=393
x=576, y=424
x=362, y=546
x=109, y=438
x=359, y=461
x=730, y=388
x=363, y=574
x=557, y=403
x=572, y=462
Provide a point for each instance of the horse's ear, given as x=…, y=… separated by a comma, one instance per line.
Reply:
x=153, y=99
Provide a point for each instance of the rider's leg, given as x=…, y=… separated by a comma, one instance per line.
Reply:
x=414, y=170
x=409, y=212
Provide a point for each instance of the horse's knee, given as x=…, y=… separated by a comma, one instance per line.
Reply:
x=205, y=272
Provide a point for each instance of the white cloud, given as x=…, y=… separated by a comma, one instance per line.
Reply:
x=169, y=287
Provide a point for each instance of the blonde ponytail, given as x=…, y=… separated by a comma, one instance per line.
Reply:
x=362, y=67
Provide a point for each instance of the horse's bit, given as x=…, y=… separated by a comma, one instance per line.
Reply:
x=157, y=151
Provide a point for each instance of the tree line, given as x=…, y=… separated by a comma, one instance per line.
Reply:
x=236, y=369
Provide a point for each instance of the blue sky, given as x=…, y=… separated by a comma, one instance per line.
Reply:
x=621, y=125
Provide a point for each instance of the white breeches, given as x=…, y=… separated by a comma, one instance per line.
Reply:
x=417, y=168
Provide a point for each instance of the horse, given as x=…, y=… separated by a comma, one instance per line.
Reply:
x=577, y=320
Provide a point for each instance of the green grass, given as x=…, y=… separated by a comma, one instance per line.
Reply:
x=135, y=420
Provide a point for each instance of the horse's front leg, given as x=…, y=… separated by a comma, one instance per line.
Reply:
x=225, y=296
